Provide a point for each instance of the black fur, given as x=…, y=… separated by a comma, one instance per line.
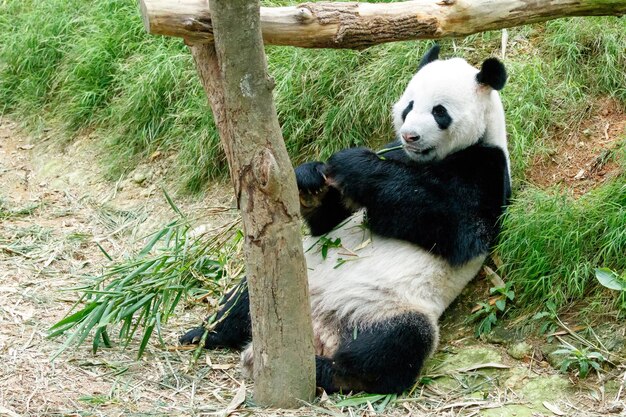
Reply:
x=233, y=328
x=310, y=178
x=320, y=205
x=430, y=56
x=492, y=73
x=384, y=357
x=442, y=117
x=449, y=207
x=407, y=110
x=325, y=373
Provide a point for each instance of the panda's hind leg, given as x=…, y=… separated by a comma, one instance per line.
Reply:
x=233, y=328
x=385, y=357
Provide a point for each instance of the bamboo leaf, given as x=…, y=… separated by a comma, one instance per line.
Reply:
x=144, y=340
x=144, y=291
x=155, y=238
x=76, y=317
x=171, y=203
x=360, y=399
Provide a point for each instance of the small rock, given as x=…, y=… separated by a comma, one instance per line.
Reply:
x=519, y=350
x=500, y=336
x=545, y=388
x=580, y=175
x=554, y=360
x=139, y=177
x=587, y=132
x=468, y=357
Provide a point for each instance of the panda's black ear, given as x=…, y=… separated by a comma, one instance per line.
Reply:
x=431, y=55
x=492, y=73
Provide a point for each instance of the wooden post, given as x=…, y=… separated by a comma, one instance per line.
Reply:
x=360, y=24
x=234, y=76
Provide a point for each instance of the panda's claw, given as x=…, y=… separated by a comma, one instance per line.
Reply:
x=192, y=337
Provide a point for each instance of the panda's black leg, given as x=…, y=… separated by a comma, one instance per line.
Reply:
x=325, y=374
x=384, y=358
x=233, y=328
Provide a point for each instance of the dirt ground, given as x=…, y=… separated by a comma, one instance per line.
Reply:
x=54, y=207
x=579, y=157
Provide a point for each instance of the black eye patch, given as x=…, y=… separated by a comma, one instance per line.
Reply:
x=407, y=110
x=441, y=116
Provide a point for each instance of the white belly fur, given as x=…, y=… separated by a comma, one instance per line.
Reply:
x=379, y=278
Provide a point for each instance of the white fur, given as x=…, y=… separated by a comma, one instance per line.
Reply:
x=378, y=279
x=476, y=111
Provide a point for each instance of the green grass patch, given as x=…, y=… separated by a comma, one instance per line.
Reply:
x=79, y=64
x=591, y=53
x=551, y=245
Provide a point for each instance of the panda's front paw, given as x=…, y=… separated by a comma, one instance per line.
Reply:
x=347, y=170
x=310, y=177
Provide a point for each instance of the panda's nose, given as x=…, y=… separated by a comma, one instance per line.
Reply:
x=410, y=138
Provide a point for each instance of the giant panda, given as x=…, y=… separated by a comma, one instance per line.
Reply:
x=395, y=237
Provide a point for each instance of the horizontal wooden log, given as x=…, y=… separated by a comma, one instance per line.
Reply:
x=359, y=25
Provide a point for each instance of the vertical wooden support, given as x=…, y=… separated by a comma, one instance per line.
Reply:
x=234, y=76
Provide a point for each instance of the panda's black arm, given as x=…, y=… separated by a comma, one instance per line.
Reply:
x=449, y=207
x=368, y=179
x=320, y=205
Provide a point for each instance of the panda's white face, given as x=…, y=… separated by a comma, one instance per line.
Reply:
x=444, y=109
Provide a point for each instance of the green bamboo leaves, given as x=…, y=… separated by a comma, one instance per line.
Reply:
x=140, y=294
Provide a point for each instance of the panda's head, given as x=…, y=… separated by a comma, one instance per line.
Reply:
x=450, y=105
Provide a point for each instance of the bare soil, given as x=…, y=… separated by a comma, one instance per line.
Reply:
x=54, y=207
x=582, y=156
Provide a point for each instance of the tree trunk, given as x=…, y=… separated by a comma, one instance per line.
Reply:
x=234, y=75
x=359, y=25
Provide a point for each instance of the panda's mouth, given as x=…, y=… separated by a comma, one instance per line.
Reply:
x=420, y=152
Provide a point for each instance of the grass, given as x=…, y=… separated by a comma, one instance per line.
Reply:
x=551, y=245
x=7, y=212
x=86, y=66
x=89, y=65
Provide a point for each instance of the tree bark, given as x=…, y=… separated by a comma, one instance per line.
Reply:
x=359, y=25
x=234, y=75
